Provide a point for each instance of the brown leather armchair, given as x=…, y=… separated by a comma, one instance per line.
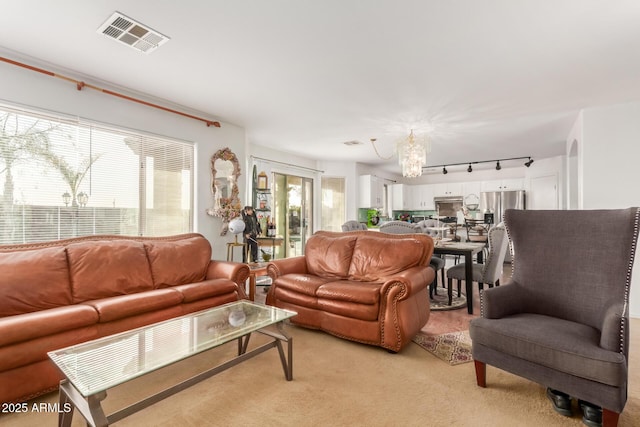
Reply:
x=363, y=286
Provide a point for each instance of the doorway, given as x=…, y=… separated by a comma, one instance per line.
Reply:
x=293, y=213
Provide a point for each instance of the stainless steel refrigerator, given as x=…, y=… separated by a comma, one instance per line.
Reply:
x=497, y=202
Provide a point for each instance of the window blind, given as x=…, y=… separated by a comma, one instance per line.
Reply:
x=63, y=178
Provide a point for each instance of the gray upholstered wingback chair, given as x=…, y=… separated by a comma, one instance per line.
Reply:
x=353, y=225
x=488, y=273
x=562, y=321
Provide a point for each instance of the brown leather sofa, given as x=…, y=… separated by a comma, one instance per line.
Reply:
x=56, y=294
x=364, y=286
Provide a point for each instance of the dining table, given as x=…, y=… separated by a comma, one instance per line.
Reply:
x=468, y=250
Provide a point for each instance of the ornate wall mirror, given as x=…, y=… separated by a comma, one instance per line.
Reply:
x=225, y=170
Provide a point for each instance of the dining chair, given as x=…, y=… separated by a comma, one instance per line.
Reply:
x=563, y=319
x=438, y=261
x=477, y=231
x=488, y=273
x=353, y=225
x=403, y=227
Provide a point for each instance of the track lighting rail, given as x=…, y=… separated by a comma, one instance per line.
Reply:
x=470, y=168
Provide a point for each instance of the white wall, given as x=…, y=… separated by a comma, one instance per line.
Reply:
x=608, y=163
x=551, y=167
x=32, y=89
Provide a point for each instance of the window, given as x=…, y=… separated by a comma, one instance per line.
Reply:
x=63, y=178
x=333, y=203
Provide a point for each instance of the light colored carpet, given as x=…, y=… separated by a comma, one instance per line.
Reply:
x=341, y=383
x=452, y=347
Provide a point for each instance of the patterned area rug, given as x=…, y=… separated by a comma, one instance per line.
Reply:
x=452, y=347
x=440, y=302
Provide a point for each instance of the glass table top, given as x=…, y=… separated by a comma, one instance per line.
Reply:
x=98, y=365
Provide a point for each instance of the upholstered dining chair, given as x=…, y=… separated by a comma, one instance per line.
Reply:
x=353, y=225
x=403, y=227
x=563, y=321
x=438, y=262
x=488, y=273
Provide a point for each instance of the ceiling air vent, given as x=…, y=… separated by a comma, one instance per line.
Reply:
x=134, y=34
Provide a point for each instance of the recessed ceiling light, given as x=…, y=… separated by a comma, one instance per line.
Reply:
x=134, y=34
x=350, y=143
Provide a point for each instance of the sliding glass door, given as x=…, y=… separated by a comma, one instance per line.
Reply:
x=293, y=212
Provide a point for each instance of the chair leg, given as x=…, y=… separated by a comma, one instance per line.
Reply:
x=443, y=278
x=450, y=290
x=498, y=282
x=481, y=373
x=609, y=418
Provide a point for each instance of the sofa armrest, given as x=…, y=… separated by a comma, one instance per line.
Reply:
x=502, y=301
x=236, y=271
x=280, y=267
x=413, y=280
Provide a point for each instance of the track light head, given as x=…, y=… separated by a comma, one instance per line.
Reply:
x=469, y=169
x=498, y=167
x=444, y=170
x=528, y=163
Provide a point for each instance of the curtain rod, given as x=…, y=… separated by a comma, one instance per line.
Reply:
x=81, y=84
x=287, y=164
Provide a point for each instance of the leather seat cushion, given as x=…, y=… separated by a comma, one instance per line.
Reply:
x=178, y=262
x=206, y=289
x=109, y=268
x=24, y=327
x=33, y=280
x=306, y=284
x=118, y=307
x=555, y=343
x=351, y=291
x=356, y=300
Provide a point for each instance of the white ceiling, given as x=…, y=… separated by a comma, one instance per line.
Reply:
x=485, y=79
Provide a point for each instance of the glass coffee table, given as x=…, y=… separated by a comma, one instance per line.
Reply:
x=93, y=367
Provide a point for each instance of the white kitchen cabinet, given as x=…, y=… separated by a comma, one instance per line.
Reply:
x=503, y=185
x=371, y=191
x=421, y=198
x=400, y=196
x=450, y=189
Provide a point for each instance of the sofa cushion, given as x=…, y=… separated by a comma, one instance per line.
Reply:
x=355, y=300
x=33, y=280
x=178, y=262
x=374, y=260
x=119, y=307
x=24, y=327
x=572, y=348
x=108, y=268
x=206, y=289
x=329, y=256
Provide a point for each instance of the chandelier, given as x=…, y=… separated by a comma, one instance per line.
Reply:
x=412, y=155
